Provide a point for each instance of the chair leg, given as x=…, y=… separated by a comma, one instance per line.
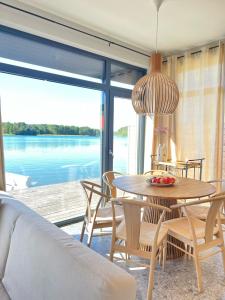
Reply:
x=186, y=249
x=82, y=231
x=90, y=233
x=223, y=256
x=189, y=251
x=151, y=277
x=198, y=271
x=111, y=254
x=112, y=248
x=160, y=255
x=164, y=255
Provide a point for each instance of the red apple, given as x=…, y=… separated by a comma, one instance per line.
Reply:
x=158, y=180
x=154, y=180
x=165, y=180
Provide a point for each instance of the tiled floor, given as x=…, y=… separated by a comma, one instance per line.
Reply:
x=177, y=282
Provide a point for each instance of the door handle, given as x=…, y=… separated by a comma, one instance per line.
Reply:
x=111, y=153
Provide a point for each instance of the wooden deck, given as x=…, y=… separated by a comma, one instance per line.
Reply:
x=56, y=202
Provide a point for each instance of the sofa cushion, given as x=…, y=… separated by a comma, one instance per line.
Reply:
x=45, y=263
x=3, y=293
x=10, y=210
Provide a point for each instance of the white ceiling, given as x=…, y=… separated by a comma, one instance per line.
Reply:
x=183, y=24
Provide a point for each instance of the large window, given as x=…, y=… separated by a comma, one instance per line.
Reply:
x=56, y=112
x=52, y=139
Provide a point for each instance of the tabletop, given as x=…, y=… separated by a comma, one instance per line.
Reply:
x=185, y=188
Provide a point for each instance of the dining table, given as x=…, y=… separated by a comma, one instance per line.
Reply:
x=183, y=189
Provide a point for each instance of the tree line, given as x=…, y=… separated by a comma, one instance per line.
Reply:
x=123, y=132
x=22, y=128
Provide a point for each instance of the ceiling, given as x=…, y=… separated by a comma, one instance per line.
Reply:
x=183, y=24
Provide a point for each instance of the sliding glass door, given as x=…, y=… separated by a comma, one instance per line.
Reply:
x=124, y=134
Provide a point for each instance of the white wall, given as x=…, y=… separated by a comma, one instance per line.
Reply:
x=31, y=24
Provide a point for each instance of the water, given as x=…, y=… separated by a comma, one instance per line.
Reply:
x=56, y=159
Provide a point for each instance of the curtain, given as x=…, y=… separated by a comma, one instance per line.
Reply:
x=199, y=116
x=195, y=130
x=2, y=168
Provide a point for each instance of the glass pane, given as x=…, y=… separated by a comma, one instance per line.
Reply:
x=124, y=137
x=40, y=54
x=148, y=143
x=125, y=76
x=52, y=139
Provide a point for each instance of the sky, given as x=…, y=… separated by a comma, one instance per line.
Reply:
x=41, y=102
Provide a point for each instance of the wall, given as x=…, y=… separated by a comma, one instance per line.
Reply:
x=32, y=24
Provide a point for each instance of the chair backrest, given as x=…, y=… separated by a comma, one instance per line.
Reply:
x=213, y=216
x=108, y=178
x=220, y=188
x=156, y=172
x=92, y=191
x=132, y=215
x=219, y=184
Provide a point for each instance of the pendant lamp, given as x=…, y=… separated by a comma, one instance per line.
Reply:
x=155, y=93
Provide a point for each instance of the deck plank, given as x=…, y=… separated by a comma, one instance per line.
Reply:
x=56, y=202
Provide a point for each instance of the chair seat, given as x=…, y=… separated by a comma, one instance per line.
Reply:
x=181, y=227
x=147, y=233
x=201, y=212
x=104, y=214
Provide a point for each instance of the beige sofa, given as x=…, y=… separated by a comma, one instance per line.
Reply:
x=38, y=261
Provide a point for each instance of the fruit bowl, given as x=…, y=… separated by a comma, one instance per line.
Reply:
x=161, y=180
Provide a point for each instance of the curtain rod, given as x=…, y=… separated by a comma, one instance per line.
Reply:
x=192, y=53
x=73, y=28
x=199, y=51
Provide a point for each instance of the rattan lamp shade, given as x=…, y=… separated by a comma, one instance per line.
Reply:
x=155, y=93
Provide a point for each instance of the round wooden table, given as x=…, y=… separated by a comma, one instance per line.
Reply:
x=185, y=188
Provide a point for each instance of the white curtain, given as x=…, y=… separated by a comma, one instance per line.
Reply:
x=199, y=116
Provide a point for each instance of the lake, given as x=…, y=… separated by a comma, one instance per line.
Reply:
x=56, y=159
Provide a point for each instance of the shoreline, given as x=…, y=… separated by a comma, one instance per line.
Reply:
x=50, y=135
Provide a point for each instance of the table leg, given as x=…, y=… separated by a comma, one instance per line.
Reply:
x=152, y=215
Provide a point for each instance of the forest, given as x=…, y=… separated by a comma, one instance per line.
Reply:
x=22, y=128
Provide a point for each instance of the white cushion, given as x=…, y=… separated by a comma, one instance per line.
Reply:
x=147, y=233
x=3, y=293
x=105, y=214
x=44, y=263
x=10, y=210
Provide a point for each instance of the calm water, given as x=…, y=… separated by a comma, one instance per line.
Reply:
x=56, y=159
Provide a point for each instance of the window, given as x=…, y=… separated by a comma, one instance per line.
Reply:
x=56, y=113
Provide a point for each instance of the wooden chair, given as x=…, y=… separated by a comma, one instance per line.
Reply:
x=108, y=178
x=197, y=234
x=139, y=238
x=97, y=216
x=201, y=211
x=156, y=172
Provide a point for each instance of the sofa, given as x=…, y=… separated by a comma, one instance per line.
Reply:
x=38, y=261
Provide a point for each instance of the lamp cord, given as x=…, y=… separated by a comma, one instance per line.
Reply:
x=157, y=30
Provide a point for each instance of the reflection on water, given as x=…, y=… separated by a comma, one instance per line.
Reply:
x=56, y=159
x=52, y=159
x=27, y=142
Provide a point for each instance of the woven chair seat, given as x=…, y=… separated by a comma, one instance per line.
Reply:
x=147, y=233
x=201, y=212
x=105, y=214
x=181, y=228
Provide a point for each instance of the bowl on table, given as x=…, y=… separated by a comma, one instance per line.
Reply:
x=161, y=180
